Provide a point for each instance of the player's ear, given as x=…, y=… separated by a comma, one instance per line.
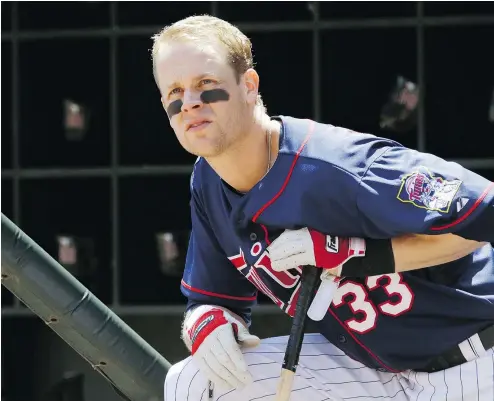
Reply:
x=251, y=80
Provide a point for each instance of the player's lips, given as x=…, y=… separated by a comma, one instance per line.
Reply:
x=197, y=125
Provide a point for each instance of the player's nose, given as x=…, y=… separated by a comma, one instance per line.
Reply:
x=191, y=100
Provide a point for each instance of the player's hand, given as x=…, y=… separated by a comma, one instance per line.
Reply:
x=295, y=248
x=215, y=337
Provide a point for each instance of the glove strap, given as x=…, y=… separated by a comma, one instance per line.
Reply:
x=379, y=259
x=204, y=326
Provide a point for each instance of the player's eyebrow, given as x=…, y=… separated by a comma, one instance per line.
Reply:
x=195, y=79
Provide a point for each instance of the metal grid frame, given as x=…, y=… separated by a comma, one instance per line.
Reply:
x=114, y=32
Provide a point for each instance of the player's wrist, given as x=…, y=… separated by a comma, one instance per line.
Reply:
x=203, y=315
x=332, y=252
x=379, y=259
x=191, y=318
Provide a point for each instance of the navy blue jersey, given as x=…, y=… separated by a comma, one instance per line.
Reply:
x=346, y=183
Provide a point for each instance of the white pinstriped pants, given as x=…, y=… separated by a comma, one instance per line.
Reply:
x=325, y=373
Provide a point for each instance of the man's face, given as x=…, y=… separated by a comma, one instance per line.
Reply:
x=208, y=110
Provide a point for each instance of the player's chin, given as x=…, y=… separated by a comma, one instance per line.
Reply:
x=204, y=148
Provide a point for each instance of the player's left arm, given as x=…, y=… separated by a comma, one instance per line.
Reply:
x=359, y=257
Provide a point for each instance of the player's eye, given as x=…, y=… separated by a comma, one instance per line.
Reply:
x=175, y=91
x=206, y=81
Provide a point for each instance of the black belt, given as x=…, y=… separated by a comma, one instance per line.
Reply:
x=468, y=350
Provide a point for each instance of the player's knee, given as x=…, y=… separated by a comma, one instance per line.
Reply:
x=172, y=376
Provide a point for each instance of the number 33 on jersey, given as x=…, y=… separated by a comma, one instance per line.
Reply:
x=357, y=296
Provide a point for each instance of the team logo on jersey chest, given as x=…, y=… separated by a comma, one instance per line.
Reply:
x=424, y=190
x=282, y=287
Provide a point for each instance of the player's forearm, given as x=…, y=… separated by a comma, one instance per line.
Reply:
x=407, y=252
x=416, y=251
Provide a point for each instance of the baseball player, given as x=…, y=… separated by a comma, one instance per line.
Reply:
x=406, y=232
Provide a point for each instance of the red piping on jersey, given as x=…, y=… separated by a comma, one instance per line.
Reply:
x=468, y=213
x=214, y=294
x=362, y=345
x=266, y=235
x=297, y=155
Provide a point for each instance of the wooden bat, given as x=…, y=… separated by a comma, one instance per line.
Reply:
x=304, y=308
x=309, y=281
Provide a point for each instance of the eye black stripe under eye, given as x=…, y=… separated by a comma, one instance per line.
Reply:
x=209, y=96
x=215, y=95
x=174, y=107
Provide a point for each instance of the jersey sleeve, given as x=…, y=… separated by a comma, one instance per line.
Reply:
x=408, y=192
x=209, y=276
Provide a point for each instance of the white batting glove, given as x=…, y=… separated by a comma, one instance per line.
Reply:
x=214, y=338
x=305, y=246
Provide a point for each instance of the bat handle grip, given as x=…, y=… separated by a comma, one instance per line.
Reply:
x=309, y=281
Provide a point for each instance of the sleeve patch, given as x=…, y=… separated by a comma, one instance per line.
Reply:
x=424, y=190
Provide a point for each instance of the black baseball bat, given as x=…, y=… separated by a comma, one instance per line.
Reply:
x=309, y=283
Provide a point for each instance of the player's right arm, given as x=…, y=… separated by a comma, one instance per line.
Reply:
x=219, y=305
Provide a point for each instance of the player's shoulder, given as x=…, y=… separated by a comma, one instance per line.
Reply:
x=334, y=146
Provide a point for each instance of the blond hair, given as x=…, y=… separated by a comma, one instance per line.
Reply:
x=204, y=28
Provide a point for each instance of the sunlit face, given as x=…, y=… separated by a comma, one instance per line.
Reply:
x=208, y=110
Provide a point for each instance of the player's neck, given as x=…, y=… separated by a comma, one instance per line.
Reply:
x=245, y=164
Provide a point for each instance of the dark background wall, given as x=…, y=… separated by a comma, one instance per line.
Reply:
x=126, y=178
